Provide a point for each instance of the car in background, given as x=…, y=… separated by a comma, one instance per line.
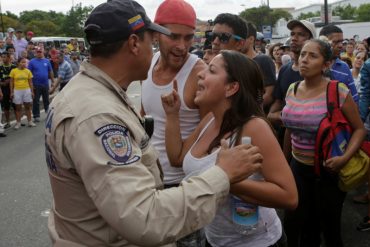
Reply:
x=56, y=41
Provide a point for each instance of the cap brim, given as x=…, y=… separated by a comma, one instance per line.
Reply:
x=158, y=28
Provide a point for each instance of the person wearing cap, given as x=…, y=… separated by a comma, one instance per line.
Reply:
x=20, y=44
x=103, y=169
x=300, y=32
x=260, y=43
x=228, y=33
x=10, y=33
x=29, y=36
x=265, y=63
x=42, y=71
x=339, y=70
x=174, y=62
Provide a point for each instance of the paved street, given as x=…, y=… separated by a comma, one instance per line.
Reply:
x=25, y=195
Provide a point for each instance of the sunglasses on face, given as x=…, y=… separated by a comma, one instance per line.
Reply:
x=223, y=37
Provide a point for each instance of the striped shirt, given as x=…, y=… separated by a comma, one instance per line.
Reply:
x=65, y=72
x=340, y=71
x=302, y=117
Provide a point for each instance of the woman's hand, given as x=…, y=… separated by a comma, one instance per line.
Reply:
x=171, y=102
x=335, y=164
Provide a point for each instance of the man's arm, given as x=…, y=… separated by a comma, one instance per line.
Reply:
x=269, y=78
x=55, y=85
x=127, y=195
x=364, y=103
x=51, y=73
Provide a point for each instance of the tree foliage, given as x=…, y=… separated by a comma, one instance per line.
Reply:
x=363, y=12
x=11, y=15
x=43, y=28
x=305, y=16
x=345, y=12
x=264, y=15
x=9, y=22
x=50, y=23
x=75, y=19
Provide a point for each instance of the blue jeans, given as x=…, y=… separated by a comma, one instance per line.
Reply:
x=43, y=91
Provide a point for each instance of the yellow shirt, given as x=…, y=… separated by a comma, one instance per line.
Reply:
x=21, y=78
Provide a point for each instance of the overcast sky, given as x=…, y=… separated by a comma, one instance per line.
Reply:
x=205, y=9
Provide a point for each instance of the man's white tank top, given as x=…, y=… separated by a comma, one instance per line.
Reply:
x=152, y=105
x=221, y=232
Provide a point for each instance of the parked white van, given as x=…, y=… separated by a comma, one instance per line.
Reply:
x=56, y=41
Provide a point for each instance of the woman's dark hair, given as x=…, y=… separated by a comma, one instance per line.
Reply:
x=247, y=102
x=271, y=49
x=325, y=49
x=20, y=60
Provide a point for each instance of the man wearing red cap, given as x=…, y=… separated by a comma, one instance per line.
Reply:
x=29, y=36
x=172, y=63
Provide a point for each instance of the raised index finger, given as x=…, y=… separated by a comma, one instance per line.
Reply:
x=175, y=85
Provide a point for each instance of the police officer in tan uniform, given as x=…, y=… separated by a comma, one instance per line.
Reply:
x=103, y=171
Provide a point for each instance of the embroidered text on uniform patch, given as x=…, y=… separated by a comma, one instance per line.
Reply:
x=116, y=142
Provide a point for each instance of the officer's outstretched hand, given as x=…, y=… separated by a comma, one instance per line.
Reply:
x=239, y=162
x=171, y=102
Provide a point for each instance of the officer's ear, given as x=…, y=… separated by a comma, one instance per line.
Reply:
x=134, y=43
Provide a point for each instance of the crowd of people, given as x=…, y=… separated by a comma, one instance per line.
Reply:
x=30, y=70
x=224, y=136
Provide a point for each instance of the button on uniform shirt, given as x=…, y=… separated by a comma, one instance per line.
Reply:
x=105, y=176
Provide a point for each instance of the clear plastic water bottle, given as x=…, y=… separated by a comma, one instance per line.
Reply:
x=245, y=215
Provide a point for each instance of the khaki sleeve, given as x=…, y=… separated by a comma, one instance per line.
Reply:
x=125, y=192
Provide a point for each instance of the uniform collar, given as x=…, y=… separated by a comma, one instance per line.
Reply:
x=97, y=74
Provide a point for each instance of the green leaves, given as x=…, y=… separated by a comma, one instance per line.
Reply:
x=50, y=23
x=264, y=15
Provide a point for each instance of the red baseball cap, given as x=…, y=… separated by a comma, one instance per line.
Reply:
x=176, y=12
x=30, y=33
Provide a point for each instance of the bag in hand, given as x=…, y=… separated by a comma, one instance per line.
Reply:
x=332, y=139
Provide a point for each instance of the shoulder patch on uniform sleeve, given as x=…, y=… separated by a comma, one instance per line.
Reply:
x=116, y=143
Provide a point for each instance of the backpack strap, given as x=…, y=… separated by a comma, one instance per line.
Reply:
x=296, y=84
x=332, y=96
x=332, y=102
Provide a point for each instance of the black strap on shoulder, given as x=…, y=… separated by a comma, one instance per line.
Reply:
x=332, y=96
x=296, y=84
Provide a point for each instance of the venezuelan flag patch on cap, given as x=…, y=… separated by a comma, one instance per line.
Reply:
x=136, y=22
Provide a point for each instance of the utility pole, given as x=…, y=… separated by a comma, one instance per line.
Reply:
x=2, y=22
x=326, y=12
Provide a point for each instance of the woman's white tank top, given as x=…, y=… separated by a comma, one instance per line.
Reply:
x=220, y=232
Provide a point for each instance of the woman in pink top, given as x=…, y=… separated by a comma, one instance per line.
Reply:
x=320, y=199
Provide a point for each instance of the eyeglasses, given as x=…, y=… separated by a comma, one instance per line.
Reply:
x=223, y=37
